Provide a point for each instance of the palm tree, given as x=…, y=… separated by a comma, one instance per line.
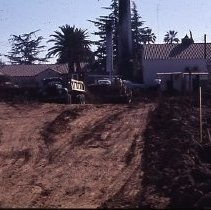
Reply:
x=71, y=45
x=147, y=36
x=170, y=37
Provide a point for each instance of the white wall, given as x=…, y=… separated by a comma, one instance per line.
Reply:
x=151, y=67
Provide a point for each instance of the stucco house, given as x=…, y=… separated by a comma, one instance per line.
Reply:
x=32, y=75
x=173, y=59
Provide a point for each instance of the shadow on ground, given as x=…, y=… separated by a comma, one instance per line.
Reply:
x=177, y=168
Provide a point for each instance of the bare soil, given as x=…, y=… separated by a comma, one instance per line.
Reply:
x=145, y=155
x=71, y=156
x=175, y=163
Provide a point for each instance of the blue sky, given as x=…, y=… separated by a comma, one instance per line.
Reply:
x=23, y=16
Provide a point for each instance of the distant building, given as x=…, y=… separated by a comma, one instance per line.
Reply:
x=175, y=58
x=32, y=75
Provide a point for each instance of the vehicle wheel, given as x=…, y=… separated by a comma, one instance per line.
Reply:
x=82, y=99
x=129, y=95
x=68, y=99
x=129, y=100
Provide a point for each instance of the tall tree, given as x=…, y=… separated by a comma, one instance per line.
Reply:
x=71, y=45
x=26, y=48
x=137, y=28
x=170, y=37
x=148, y=36
x=114, y=15
x=101, y=23
x=140, y=33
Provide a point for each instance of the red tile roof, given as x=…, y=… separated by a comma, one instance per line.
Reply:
x=32, y=70
x=176, y=51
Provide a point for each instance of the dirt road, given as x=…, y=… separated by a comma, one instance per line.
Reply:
x=71, y=156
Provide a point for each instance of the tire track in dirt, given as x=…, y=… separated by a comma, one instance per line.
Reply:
x=95, y=155
x=22, y=130
x=58, y=125
x=90, y=141
x=129, y=179
x=89, y=135
x=84, y=135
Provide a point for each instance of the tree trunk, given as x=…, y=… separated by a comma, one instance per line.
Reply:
x=125, y=67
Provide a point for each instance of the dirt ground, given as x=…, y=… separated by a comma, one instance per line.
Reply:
x=144, y=155
x=71, y=156
x=176, y=164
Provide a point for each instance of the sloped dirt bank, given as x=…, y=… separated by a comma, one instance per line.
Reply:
x=71, y=156
x=176, y=166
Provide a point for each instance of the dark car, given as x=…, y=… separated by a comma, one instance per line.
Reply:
x=54, y=90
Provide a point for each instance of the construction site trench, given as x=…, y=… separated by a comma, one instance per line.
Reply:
x=142, y=155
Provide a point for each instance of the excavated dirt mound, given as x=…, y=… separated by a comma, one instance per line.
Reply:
x=176, y=165
x=71, y=156
x=106, y=156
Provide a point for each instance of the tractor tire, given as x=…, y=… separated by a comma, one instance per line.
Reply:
x=82, y=99
x=69, y=99
x=129, y=95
